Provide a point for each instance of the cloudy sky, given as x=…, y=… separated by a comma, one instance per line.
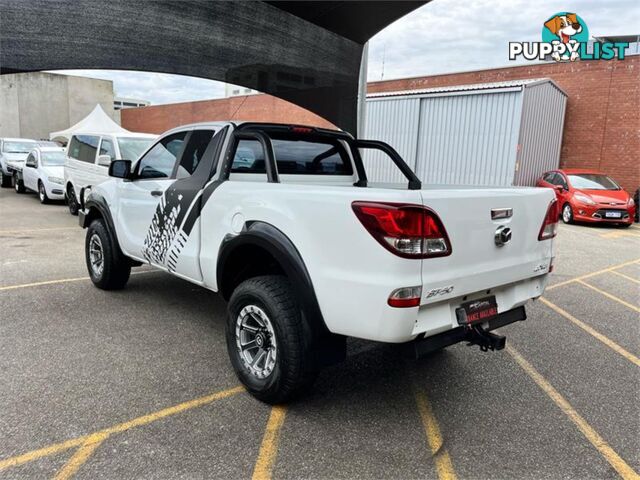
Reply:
x=442, y=36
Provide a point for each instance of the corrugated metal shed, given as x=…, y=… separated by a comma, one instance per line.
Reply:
x=504, y=133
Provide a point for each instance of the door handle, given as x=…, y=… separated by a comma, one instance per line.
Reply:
x=156, y=193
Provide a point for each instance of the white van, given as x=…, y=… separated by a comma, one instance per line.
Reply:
x=89, y=156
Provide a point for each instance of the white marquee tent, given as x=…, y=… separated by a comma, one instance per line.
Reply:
x=96, y=122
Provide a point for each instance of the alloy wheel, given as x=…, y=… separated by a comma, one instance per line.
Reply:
x=256, y=341
x=96, y=255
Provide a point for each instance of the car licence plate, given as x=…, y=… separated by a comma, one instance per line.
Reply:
x=612, y=214
x=477, y=311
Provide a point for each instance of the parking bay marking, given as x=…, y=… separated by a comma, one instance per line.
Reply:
x=607, y=341
x=592, y=274
x=608, y=295
x=119, y=428
x=444, y=466
x=625, y=276
x=619, y=235
x=81, y=456
x=35, y=230
x=610, y=455
x=62, y=280
x=269, y=447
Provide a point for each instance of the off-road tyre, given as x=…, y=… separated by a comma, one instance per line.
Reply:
x=116, y=267
x=291, y=374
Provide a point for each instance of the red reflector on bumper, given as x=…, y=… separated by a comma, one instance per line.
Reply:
x=405, y=297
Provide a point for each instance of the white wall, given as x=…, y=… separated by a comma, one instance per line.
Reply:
x=34, y=104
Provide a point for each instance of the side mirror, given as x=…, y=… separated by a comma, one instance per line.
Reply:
x=31, y=165
x=120, y=169
x=104, y=160
x=559, y=188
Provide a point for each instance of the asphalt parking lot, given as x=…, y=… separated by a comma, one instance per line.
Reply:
x=136, y=384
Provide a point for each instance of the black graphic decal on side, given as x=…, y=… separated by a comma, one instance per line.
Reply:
x=181, y=204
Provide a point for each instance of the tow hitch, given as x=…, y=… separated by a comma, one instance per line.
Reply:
x=472, y=334
x=476, y=335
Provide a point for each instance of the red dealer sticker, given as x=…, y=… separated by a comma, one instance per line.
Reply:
x=477, y=311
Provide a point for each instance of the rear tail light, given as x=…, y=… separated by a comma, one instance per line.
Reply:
x=550, y=224
x=405, y=297
x=409, y=231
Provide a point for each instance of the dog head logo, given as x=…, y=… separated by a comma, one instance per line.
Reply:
x=568, y=29
x=564, y=26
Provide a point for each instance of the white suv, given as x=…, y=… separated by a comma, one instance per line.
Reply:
x=89, y=156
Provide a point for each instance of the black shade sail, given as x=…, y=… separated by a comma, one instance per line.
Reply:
x=308, y=53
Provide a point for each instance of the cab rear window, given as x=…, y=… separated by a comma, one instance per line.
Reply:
x=294, y=156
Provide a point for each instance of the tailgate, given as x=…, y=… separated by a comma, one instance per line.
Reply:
x=477, y=263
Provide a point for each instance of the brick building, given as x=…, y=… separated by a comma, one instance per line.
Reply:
x=602, y=123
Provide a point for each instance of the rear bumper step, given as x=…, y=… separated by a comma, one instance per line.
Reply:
x=475, y=335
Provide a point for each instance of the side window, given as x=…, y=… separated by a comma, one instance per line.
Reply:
x=560, y=180
x=84, y=148
x=31, y=161
x=547, y=177
x=553, y=178
x=249, y=158
x=106, y=148
x=193, y=152
x=160, y=160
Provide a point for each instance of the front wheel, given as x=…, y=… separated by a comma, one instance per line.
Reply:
x=108, y=268
x=266, y=339
x=567, y=213
x=18, y=184
x=42, y=193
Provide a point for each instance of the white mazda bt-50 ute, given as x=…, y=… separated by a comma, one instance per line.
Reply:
x=283, y=222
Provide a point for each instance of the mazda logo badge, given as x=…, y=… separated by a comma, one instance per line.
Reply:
x=503, y=235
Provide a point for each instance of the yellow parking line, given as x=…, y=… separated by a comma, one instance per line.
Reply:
x=592, y=274
x=121, y=427
x=42, y=452
x=607, y=341
x=81, y=456
x=62, y=280
x=623, y=469
x=620, y=234
x=608, y=295
x=444, y=466
x=625, y=276
x=38, y=284
x=269, y=447
x=32, y=230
